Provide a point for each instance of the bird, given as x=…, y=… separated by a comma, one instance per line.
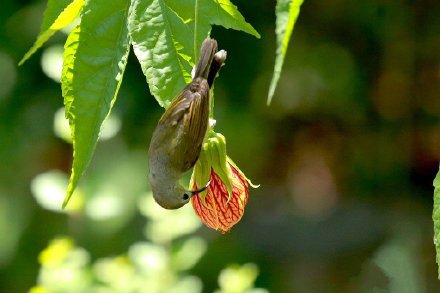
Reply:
x=178, y=137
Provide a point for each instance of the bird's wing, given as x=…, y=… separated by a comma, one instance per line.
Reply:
x=196, y=124
x=188, y=114
x=177, y=109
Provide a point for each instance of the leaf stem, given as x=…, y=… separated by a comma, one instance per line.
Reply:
x=196, y=23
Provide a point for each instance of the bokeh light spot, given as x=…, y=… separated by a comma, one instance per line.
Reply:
x=52, y=62
x=61, y=127
x=49, y=190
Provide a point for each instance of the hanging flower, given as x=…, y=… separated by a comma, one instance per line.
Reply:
x=222, y=204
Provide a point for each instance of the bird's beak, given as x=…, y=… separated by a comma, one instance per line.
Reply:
x=194, y=192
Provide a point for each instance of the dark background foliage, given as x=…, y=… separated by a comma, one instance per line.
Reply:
x=345, y=155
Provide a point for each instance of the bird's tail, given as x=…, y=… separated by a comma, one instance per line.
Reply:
x=217, y=63
x=207, y=52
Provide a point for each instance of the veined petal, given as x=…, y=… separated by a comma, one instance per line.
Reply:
x=217, y=210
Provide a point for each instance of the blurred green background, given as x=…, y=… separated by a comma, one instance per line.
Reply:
x=345, y=156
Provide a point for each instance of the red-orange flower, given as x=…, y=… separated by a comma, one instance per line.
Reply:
x=221, y=204
x=216, y=209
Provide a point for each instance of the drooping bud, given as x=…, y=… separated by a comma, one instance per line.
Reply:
x=222, y=204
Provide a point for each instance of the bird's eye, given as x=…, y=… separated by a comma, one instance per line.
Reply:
x=185, y=196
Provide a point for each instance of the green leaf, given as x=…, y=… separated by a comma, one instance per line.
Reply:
x=95, y=57
x=162, y=32
x=162, y=43
x=58, y=14
x=287, y=12
x=436, y=218
x=211, y=12
x=226, y=14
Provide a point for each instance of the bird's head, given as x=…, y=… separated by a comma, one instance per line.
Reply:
x=174, y=196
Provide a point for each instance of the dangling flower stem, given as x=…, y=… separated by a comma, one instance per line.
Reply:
x=196, y=26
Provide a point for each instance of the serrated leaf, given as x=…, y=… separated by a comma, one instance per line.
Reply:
x=287, y=12
x=58, y=14
x=226, y=14
x=436, y=219
x=162, y=44
x=212, y=12
x=95, y=57
x=162, y=32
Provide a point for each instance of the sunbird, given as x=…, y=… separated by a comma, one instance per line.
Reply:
x=177, y=140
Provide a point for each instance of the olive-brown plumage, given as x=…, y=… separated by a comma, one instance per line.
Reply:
x=178, y=137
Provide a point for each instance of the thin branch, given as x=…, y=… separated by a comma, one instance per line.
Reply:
x=196, y=25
